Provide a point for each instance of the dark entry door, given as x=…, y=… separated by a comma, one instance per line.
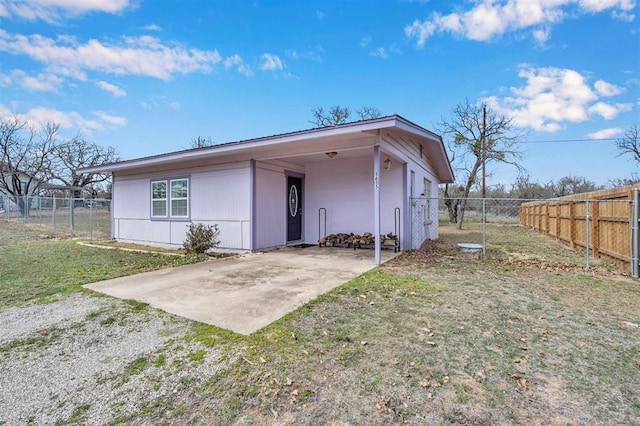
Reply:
x=294, y=209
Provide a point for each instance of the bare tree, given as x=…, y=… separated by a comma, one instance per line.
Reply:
x=337, y=115
x=25, y=158
x=630, y=143
x=201, y=142
x=76, y=153
x=368, y=113
x=570, y=185
x=466, y=130
x=633, y=180
x=526, y=188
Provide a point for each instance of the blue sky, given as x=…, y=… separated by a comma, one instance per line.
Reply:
x=149, y=76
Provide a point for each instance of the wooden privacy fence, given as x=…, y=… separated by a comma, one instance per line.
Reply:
x=601, y=222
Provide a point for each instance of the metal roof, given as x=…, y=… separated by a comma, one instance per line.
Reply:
x=390, y=121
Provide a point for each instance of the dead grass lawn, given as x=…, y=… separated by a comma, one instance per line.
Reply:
x=526, y=336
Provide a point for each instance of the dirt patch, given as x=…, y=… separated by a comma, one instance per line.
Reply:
x=432, y=251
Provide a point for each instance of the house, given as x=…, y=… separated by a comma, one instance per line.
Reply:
x=18, y=183
x=289, y=188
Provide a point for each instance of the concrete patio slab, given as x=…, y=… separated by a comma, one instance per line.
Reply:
x=244, y=293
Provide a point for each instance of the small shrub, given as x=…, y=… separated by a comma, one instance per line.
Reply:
x=201, y=238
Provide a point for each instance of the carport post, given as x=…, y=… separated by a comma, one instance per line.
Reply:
x=376, y=201
x=634, y=233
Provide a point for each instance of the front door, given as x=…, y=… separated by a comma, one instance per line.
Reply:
x=294, y=209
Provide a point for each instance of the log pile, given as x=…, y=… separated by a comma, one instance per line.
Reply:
x=366, y=240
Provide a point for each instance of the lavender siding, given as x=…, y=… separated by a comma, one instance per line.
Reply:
x=219, y=195
x=270, y=206
x=345, y=189
x=414, y=230
x=420, y=224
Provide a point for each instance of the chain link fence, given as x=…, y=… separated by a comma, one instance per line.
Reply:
x=600, y=229
x=87, y=218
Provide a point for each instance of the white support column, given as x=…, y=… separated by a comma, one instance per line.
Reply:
x=376, y=201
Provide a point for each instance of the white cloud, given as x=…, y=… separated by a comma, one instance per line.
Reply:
x=365, y=41
x=623, y=16
x=605, y=110
x=554, y=96
x=312, y=54
x=110, y=119
x=320, y=14
x=237, y=62
x=152, y=27
x=160, y=102
x=55, y=11
x=111, y=88
x=607, y=89
x=73, y=120
x=420, y=30
x=608, y=111
x=488, y=19
x=5, y=80
x=600, y=5
x=380, y=52
x=541, y=35
x=271, y=62
x=145, y=55
x=43, y=82
x=605, y=133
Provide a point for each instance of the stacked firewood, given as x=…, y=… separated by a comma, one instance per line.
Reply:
x=356, y=240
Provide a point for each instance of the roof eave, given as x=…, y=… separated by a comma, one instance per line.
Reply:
x=369, y=125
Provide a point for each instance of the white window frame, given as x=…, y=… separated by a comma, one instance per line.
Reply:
x=168, y=199
x=172, y=198
x=165, y=199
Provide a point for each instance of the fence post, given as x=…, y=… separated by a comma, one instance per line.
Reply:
x=572, y=223
x=484, y=227
x=54, y=212
x=634, y=235
x=71, y=206
x=587, y=230
x=410, y=223
x=91, y=221
x=546, y=218
x=540, y=218
x=558, y=220
x=595, y=227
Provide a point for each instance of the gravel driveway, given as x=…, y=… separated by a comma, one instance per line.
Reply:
x=95, y=360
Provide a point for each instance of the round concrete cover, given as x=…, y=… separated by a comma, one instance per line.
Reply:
x=469, y=247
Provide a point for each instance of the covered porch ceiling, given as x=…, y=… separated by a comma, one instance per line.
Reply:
x=324, y=150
